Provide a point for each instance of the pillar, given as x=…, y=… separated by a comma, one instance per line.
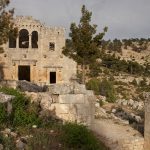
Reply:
x=30, y=40
x=147, y=122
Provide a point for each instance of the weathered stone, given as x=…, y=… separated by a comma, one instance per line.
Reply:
x=138, y=119
x=71, y=99
x=113, y=110
x=97, y=104
x=1, y=147
x=42, y=60
x=4, y=98
x=130, y=102
x=20, y=145
x=125, y=102
x=28, y=86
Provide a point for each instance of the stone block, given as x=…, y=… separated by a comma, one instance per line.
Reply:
x=60, y=108
x=71, y=99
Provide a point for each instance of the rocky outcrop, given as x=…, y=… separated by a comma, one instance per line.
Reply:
x=28, y=86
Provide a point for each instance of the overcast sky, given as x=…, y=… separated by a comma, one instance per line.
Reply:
x=124, y=18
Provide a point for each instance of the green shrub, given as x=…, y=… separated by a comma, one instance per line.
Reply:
x=134, y=82
x=79, y=137
x=21, y=115
x=93, y=84
x=107, y=89
x=3, y=113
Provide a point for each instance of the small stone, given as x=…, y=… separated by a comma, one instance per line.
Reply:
x=130, y=102
x=1, y=147
x=97, y=105
x=34, y=126
x=20, y=145
x=13, y=134
x=113, y=110
x=7, y=131
x=124, y=103
x=51, y=131
x=138, y=119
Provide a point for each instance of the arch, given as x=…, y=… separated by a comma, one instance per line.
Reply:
x=23, y=38
x=34, y=39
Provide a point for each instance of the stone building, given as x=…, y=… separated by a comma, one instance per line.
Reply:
x=36, y=54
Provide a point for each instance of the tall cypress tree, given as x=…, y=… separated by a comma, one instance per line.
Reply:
x=84, y=43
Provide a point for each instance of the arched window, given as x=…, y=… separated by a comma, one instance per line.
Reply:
x=34, y=39
x=23, y=38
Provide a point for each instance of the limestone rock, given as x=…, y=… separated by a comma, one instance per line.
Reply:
x=1, y=147
x=28, y=86
x=20, y=145
x=4, y=98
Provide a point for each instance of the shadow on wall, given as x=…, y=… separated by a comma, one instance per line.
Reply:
x=1, y=71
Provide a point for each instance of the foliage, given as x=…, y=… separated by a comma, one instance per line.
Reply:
x=113, y=63
x=134, y=82
x=3, y=113
x=79, y=137
x=107, y=89
x=21, y=116
x=7, y=142
x=6, y=23
x=115, y=45
x=95, y=69
x=83, y=46
x=93, y=84
x=104, y=88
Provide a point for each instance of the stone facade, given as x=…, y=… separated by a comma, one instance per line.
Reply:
x=36, y=54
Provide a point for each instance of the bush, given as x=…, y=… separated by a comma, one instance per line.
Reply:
x=21, y=116
x=93, y=84
x=3, y=113
x=79, y=137
x=107, y=89
x=104, y=88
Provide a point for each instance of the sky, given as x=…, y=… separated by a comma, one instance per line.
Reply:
x=124, y=18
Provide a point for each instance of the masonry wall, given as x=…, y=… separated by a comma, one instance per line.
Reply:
x=41, y=60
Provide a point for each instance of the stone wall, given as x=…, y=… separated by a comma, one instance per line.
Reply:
x=147, y=121
x=42, y=60
x=68, y=102
x=131, y=144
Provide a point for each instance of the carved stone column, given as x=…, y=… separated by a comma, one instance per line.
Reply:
x=147, y=122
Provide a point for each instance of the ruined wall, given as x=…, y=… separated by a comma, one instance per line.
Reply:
x=42, y=60
x=68, y=102
x=147, y=121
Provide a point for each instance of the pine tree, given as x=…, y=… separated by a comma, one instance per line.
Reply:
x=83, y=45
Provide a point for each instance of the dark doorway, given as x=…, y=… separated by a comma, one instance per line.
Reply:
x=24, y=73
x=52, y=77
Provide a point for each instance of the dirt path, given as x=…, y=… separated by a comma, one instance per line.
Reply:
x=118, y=136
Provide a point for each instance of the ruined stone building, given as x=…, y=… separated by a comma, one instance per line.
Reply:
x=36, y=54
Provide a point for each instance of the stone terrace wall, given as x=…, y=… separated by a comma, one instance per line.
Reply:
x=74, y=103
x=130, y=144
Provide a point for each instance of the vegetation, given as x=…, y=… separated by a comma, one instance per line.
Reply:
x=79, y=137
x=22, y=114
x=49, y=134
x=6, y=23
x=104, y=88
x=83, y=46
